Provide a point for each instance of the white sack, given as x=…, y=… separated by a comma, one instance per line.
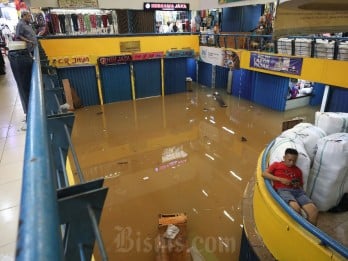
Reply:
x=332, y=122
x=308, y=134
x=329, y=174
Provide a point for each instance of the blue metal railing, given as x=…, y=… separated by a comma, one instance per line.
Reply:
x=39, y=235
x=51, y=211
x=323, y=237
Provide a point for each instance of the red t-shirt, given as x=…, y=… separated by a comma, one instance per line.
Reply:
x=294, y=174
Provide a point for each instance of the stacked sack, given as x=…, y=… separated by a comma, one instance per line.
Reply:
x=332, y=122
x=328, y=178
x=322, y=159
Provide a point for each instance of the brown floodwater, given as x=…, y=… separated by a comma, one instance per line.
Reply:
x=181, y=153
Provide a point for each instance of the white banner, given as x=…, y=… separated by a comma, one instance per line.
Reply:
x=212, y=55
x=222, y=57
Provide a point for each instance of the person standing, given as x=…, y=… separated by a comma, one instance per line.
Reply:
x=21, y=58
x=25, y=32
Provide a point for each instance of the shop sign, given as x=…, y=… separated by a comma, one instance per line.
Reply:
x=166, y=6
x=180, y=53
x=276, y=63
x=147, y=56
x=114, y=59
x=70, y=61
x=130, y=46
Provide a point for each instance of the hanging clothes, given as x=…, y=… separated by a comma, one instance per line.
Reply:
x=81, y=22
x=87, y=22
x=75, y=22
x=68, y=25
x=49, y=23
x=55, y=23
x=99, y=21
x=114, y=18
x=93, y=20
x=61, y=18
x=104, y=20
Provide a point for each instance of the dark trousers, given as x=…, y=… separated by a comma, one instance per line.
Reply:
x=2, y=63
x=21, y=65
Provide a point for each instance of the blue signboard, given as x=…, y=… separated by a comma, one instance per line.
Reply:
x=276, y=63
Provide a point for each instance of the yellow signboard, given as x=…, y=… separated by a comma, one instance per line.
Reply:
x=130, y=46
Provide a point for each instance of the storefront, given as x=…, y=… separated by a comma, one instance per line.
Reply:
x=170, y=17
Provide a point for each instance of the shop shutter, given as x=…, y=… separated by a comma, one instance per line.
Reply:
x=116, y=83
x=147, y=78
x=174, y=75
x=221, y=77
x=84, y=81
x=205, y=71
x=270, y=90
x=317, y=94
x=191, y=68
x=337, y=101
x=242, y=85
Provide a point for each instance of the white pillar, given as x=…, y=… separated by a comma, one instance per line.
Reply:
x=229, y=81
x=324, y=100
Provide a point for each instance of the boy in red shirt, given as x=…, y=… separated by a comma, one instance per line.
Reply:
x=288, y=182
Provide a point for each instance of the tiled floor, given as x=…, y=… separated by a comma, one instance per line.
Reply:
x=12, y=141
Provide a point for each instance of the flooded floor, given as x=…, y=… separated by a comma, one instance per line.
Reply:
x=178, y=153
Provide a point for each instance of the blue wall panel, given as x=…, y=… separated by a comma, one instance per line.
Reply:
x=242, y=86
x=270, y=90
x=84, y=81
x=337, y=101
x=221, y=77
x=205, y=73
x=251, y=16
x=116, y=83
x=175, y=75
x=147, y=78
x=191, y=68
x=240, y=19
x=317, y=94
